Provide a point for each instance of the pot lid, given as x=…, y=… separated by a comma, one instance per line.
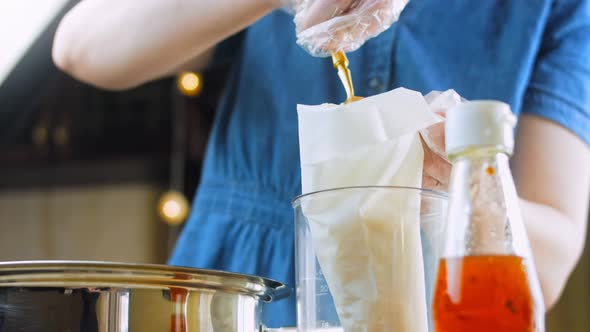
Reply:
x=91, y=274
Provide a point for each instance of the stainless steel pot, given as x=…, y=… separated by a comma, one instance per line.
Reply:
x=111, y=297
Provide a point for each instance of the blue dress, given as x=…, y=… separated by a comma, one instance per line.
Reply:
x=530, y=54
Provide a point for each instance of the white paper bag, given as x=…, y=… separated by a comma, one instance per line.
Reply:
x=370, y=253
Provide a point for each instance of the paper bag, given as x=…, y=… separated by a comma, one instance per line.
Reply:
x=369, y=252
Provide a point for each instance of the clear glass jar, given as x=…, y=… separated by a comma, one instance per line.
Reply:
x=366, y=258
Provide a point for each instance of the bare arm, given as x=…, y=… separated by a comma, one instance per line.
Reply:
x=552, y=172
x=120, y=44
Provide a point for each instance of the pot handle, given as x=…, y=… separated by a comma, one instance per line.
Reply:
x=278, y=294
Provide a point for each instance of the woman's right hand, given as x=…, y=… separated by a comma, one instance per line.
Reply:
x=326, y=26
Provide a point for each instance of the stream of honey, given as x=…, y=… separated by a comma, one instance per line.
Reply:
x=483, y=294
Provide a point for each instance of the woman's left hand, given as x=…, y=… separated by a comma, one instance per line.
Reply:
x=436, y=170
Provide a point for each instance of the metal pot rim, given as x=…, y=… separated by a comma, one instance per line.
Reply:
x=95, y=274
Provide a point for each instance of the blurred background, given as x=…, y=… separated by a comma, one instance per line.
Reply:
x=95, y=175
x=87, y=173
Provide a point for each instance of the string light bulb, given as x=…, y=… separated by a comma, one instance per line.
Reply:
x=173, y=207
x=190, y=84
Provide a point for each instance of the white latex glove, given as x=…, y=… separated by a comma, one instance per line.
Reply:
x=325, y=26
x=437, y=167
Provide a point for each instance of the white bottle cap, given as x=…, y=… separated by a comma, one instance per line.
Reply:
x=482, y=123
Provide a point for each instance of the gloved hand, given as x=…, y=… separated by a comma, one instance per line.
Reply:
x=325, y=26
x=437, y=167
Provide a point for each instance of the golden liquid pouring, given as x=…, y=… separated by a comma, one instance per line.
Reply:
x=340, y=62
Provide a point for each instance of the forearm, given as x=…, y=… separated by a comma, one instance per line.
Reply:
x=550, y=166
x=557, y=243
x=120, y=44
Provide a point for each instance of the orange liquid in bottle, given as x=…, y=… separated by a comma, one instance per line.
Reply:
x=483, y=294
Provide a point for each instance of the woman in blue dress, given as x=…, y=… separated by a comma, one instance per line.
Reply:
x=533, y=55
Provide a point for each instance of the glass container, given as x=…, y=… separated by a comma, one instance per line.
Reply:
x=366, y=258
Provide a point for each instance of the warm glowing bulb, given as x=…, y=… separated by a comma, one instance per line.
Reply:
x=173, y=207
x=190, y=84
